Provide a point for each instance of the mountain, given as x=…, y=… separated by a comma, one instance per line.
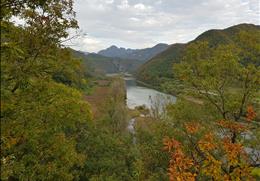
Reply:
x=135, y=54
x=115, y=60
x=85, y=53
x=158, y=70
x=96, y=63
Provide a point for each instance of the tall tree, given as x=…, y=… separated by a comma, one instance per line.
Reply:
x=41, y=109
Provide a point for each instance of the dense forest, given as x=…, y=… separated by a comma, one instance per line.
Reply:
x=60, y=120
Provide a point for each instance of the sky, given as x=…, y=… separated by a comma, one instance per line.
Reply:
x=145, y=23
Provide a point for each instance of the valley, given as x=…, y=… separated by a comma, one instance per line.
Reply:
x=77, y=104
x=154, y=66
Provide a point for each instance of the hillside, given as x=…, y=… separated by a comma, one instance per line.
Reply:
x=158, y=70
x=102, y=64
x=160, y=66
x=114, y=59
x=135, y=54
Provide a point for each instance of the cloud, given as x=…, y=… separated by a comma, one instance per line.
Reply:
x=124, y=5
x=109, y=1
x=141, y=23
x=142, y=7
x=91, y=44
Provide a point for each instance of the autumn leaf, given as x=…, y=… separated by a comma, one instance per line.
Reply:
x=192, y=127
x=251, y=114
x=169, y=144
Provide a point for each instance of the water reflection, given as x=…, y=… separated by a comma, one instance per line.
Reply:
x=139, y=95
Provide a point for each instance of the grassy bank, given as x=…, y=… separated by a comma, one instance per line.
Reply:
x=104, y=91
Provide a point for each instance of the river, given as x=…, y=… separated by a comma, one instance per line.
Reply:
x=139, y=95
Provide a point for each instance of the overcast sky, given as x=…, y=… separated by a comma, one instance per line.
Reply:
x=144, y=23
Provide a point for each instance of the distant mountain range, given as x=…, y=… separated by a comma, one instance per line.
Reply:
x=159, y=69
x=154, y=65
x=135, y=54
x=115, y=60
x=99, y=64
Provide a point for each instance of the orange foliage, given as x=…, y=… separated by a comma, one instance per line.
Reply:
x=192, y=127
x=179, y=163
x=251, y=114
x=233, y=150
x=207, y=142
x=169, y=144
x=211, y=156
x=232, y=126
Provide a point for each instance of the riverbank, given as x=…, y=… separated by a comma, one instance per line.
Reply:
x=179, y=95
x=155, y=87
x=103, y=91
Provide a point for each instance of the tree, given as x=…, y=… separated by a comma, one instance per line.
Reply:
x=42, y=109
x=228, y=90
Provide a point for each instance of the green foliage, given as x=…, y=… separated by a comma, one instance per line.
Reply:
x=245, y=37
x=152, y=162
x=41, y=109
x=214, y=72
x=153, y=71
x=256, y=172
x=107, y=144
x=38, y=129
x=109, y=155
x=228, y=90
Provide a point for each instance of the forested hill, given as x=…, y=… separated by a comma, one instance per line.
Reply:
x=158, y=70
x=228, y=35
x=115, y=60
x=96, y=63
x=135, y=54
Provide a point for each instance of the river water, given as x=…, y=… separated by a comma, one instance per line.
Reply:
x=140, y=95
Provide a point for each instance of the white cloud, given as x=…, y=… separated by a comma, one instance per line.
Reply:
x=142, y=7
x=91, y=44
x=109, y=1
x=124, y=5
x=138, y=23
x=134, y=19
x=151, y=21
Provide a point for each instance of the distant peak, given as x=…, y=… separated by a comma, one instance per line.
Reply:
x=161, y=44
x=133, y=54
x=113, y=46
